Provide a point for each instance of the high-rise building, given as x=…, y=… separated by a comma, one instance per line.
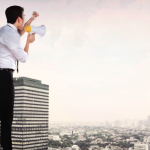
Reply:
x=117, y=123
x=140, y=123
x=148, y=121
x=30, y=122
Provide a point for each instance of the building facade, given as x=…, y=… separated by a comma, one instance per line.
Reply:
x=30, y=122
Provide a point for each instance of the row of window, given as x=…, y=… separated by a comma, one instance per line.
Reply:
x=35, y=148
x=25, y=126
x=30, y=105
x=30, y=136
x=32, y=119
x=17, y=99
x=30, y=92
x=30, y=142
x=18, y=145
x=31, y=88
x=31, y=102
x=29, y=95
x=31, y=112
x=30, y=139
x=29, y=122
x=30, y=109
x=29, y=129
x=30, y=132
x=30, y=116
x=31, y=98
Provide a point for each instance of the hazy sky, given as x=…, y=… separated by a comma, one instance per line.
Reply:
x=95, y=57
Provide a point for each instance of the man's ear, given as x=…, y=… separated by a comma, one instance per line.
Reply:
x=18, y=19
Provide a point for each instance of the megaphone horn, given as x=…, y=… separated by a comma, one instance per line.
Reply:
x=41, y=30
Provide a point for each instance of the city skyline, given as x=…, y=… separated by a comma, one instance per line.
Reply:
x=95, y=57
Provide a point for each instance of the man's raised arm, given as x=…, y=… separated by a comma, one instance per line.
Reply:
x=34, y=16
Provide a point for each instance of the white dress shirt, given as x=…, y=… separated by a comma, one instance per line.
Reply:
x=10, y=47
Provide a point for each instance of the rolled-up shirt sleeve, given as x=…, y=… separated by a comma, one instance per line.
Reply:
x=14, y=44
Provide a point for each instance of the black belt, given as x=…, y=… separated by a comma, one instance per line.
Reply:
x=5, y=69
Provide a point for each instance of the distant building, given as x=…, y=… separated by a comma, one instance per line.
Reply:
x=148, y=121
x=111, y=147
x=54, y=137
x=65, y=133
x=81, y=138
x=68, y=148
x=140, y=123
x=75, y=147
x=138, y=146
x=89, y=132
x=147, y=139
x=91, y=137
x=93, y=142
x=117, y=123
x=94, y=147
x=50, y=148
x=74, y=141
x=130, y=148
x=98, y=140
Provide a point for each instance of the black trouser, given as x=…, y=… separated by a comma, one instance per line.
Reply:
x=6, y=107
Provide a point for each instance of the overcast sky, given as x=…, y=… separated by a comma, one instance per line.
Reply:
x=95, y=57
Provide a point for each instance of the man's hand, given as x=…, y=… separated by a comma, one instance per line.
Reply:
x=34, y=15
x=31, y=38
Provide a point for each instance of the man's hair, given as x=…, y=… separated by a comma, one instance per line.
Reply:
x=13, y=12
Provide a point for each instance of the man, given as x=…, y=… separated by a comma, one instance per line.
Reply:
x=10, y=51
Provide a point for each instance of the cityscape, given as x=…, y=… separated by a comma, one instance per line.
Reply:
x=116, y=135
x=30, y=129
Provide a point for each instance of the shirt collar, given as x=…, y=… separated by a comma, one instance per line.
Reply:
x=11, y=25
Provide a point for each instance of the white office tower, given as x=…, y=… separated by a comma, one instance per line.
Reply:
x=139, y=146
x=30, y=122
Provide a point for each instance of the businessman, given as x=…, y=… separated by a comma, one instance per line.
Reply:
x=10, y=52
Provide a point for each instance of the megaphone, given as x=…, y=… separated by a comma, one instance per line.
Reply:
x=41, y=30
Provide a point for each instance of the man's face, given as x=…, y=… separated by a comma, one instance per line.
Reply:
x=24, y=19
